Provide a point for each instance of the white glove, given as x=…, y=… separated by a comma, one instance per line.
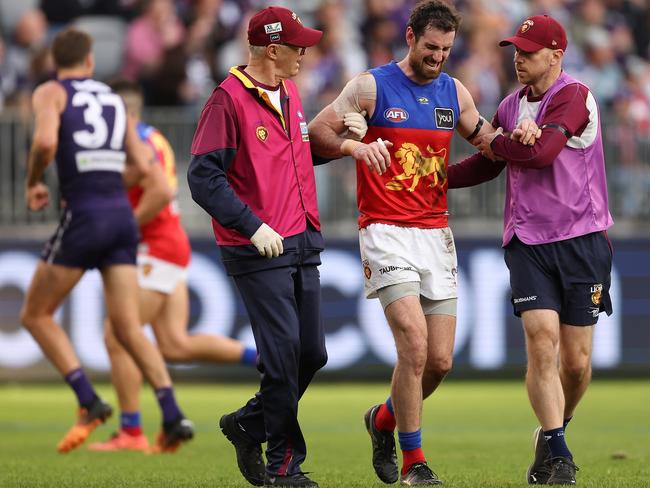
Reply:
x=267, y=241
x=356, y=123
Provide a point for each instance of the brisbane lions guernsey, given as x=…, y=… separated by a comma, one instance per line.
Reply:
x=90, y=156
x=419, y=120
x=163, y=237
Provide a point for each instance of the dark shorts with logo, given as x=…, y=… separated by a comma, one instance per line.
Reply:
x=93, y=238
x=571, y=277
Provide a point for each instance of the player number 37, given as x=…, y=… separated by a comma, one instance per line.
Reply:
x=93, y=116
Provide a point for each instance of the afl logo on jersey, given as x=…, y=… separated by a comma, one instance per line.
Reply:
x=396, y=115
x=444, y=118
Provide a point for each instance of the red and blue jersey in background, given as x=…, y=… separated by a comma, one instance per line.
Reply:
x=163, y=237
x=419, y=120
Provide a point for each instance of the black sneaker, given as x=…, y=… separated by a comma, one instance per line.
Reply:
x=419, y=474
x=249, y=452
x=172, y=435
x=384, y=457
x=563, y=472
x=539, y=472
x=298, y=479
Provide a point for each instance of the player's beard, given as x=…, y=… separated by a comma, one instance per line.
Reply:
x=424, y=71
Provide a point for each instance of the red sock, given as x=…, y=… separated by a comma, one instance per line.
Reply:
x=384, y=420
x=133, y=431
x=409, y=458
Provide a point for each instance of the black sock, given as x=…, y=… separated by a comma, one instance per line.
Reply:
x=557, y=444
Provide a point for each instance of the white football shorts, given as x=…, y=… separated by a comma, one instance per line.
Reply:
x=391, y=254
x=159, y=275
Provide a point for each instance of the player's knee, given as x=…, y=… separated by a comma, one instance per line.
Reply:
x=438, y=368
x=110, y=340
x=542, y=342
x=544, y=363
x=126, y=335
x=543, y=351
x=577, y=371
x=414, y=358
x=174, y=352
x=28, y=318
x=25, y=317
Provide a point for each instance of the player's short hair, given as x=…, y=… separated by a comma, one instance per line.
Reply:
x=70, y=47
x=435, y=14
x=130, y=91
x=122, y=85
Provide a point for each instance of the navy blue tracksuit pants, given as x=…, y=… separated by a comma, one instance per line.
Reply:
x=283, y=305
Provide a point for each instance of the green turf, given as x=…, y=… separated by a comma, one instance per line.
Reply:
x=476, y=434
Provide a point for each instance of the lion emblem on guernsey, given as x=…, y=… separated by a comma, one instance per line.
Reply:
x=416, y=166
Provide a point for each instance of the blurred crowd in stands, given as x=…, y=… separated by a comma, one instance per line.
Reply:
x=179, y=49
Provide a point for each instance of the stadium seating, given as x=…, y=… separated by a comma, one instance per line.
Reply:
x=108, y=35
x=11, y=11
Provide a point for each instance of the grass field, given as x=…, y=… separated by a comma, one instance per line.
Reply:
x=476, y=434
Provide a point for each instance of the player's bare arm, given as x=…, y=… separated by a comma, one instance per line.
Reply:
x=48, y=101
x=327, y=130
x=471, y=125
x=138, y=155
x=156, y=192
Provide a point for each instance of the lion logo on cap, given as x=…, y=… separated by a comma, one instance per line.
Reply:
x=526, y=26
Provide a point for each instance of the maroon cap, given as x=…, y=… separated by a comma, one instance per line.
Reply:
x=279, y=25
x=538, y=32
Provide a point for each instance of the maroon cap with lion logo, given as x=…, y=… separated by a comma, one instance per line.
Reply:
x=279, y=25
x=538, y=32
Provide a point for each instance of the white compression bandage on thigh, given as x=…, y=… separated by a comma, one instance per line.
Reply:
x=391, y=293
x=446, y=306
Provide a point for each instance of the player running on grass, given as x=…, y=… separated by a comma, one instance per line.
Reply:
x=82, y=123
x=163, y=259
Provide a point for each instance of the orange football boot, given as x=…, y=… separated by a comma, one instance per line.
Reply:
x=122, y=441
x=87, y=421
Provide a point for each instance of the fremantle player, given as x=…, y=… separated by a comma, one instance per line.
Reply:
x=83, y=125
x=163, y=259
